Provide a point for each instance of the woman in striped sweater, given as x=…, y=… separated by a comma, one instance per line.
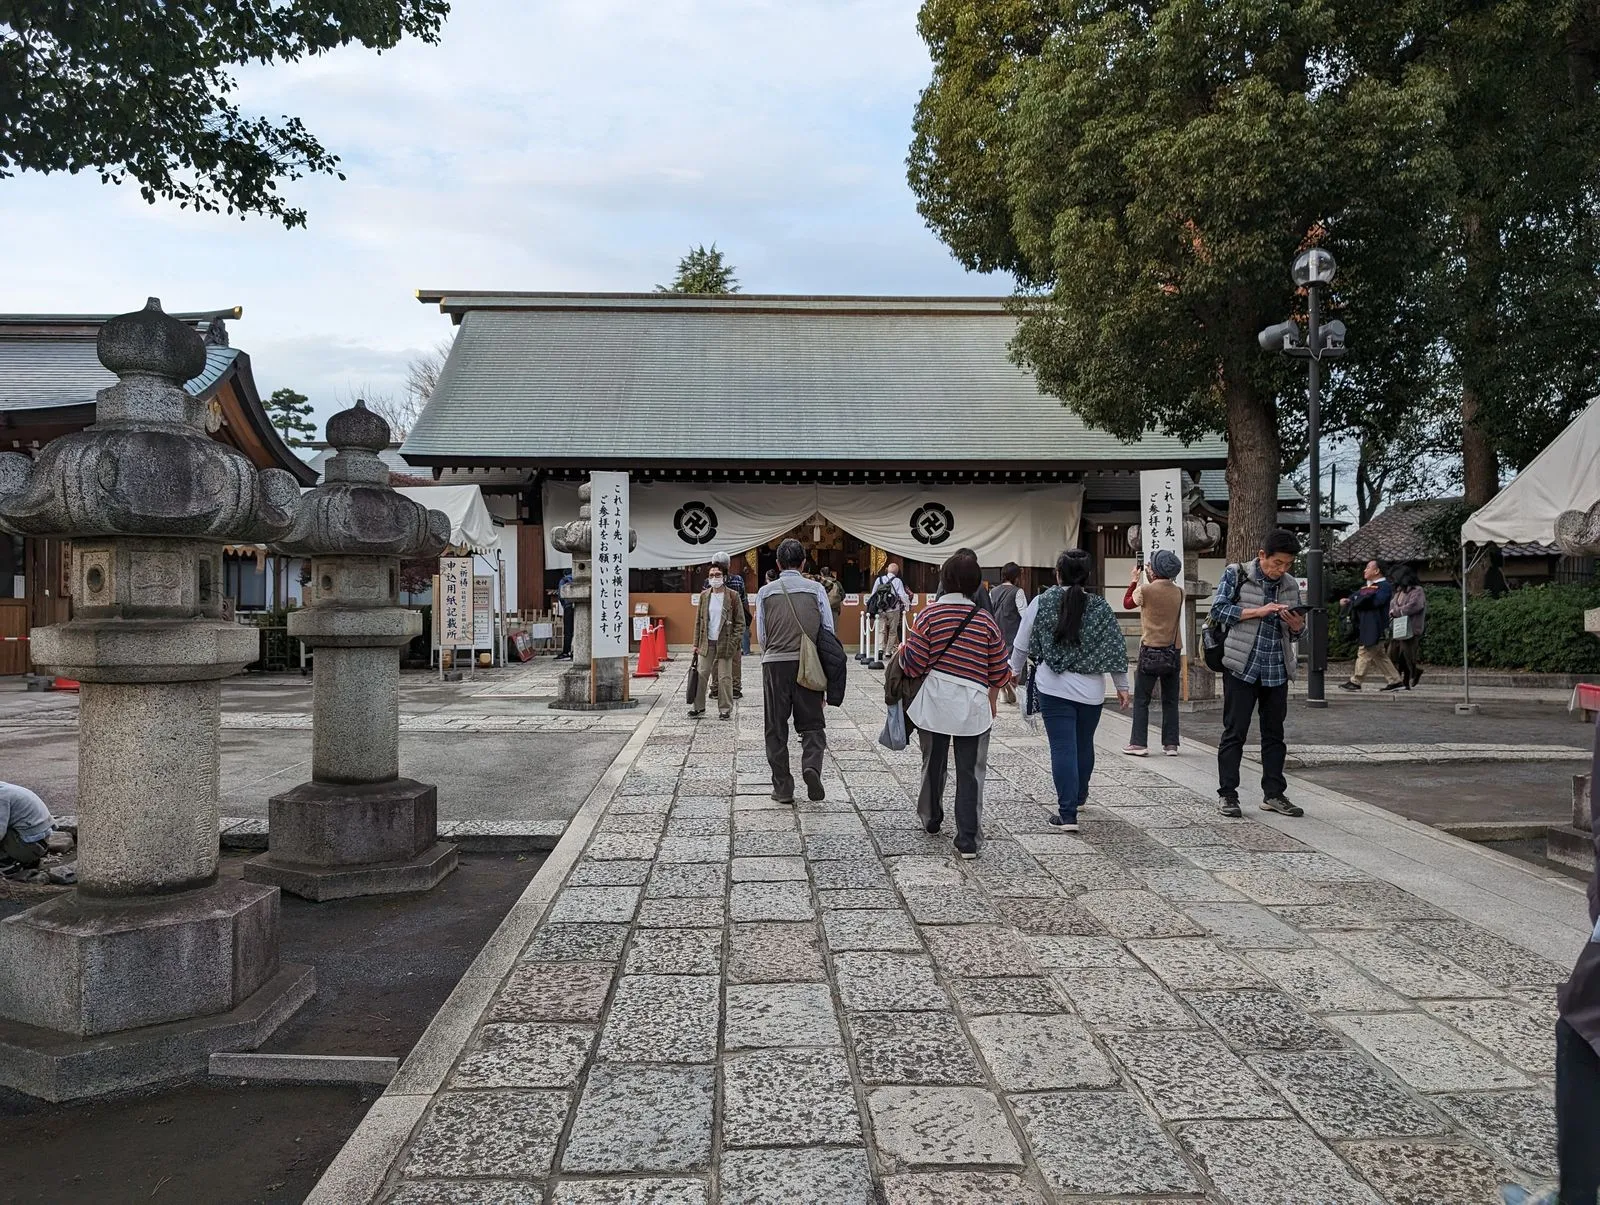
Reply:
x=958, y=646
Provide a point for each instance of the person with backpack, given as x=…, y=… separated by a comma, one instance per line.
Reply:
x=1072, y=637
x=1005, y=603
x=886, y=606
x=958, y=652
x=791, y=611
x=1159, y=600
x=1259, y=615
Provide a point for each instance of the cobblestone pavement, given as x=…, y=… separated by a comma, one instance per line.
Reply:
x=732, y=1000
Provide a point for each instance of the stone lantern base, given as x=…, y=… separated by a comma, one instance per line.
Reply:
x=331, y=841
x=105, y=994
x=575, y=693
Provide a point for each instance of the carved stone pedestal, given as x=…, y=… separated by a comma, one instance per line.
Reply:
x=579, y=689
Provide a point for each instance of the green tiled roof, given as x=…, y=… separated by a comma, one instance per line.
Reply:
x=43, y=372
x=649, y=378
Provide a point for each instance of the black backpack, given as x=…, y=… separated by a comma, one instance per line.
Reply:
x=882, y=597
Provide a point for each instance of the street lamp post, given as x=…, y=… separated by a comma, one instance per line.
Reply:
x=1314, y=270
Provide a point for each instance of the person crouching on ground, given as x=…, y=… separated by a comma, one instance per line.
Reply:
x=1073, y=639
x=786, y=609
x=25, y=822
x=718, y=629
x=1370, y=605
x=1255, y=605
x=958, y=646
x=1159, y=599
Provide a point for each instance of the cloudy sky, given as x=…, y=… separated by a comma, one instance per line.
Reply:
x=545, y=144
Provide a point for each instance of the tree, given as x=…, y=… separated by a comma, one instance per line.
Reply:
x=145, y=91
x=422, y=378
x=290, y=413
x=702, y=271
x=1147, y=173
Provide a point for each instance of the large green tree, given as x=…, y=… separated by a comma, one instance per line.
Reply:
x=290, y=413
x=1147, y=172
x=131, y=88
x=704, y=270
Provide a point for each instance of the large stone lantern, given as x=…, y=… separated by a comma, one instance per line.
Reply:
x=153, y=962
x=357, y=828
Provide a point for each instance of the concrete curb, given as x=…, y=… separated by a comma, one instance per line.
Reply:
x=363, y=1165
x=305, y=1068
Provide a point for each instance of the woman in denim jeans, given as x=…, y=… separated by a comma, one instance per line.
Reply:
x=1072, y=637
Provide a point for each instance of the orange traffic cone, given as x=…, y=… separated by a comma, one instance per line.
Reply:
x=66, y=684
x=649, y=660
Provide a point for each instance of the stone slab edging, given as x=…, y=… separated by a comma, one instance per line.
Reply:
x=1541, y=910
x=362, y=1166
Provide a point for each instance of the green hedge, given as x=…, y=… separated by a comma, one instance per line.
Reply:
x=1536, y=629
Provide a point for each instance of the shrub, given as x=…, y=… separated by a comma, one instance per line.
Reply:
x=1535, y=629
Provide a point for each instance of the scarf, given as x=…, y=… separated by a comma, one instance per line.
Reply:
x=1101, y=648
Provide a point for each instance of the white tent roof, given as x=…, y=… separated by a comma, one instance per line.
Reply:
x=471, y=525
x=1565, y=476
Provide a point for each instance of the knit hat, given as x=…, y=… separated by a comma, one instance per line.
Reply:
x=1165, y=563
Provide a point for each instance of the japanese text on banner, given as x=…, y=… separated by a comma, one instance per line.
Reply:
x=609, y=509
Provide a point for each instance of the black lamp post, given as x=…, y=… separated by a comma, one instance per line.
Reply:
x=1314, y=270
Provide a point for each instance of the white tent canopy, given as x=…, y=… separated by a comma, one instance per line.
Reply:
x=1565, y=476
x=471, y=525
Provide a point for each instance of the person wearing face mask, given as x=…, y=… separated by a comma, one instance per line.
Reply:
x=1259, y=607
x=718, y=631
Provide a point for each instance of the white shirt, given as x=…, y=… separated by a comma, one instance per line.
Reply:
x=714, y=616
x=24, y=811
x=1076, y=688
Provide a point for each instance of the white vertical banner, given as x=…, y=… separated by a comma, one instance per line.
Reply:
x=1161, y=522
x=454, y=603
x=482, y=612
x=608, y=511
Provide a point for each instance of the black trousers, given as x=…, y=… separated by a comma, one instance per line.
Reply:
x=1241, y=700
x=1144, y=686
x=971, y=756
x=1577, y=1116
x=27, y=853
x=1406, y=657
x=783, y=697
x=566, y=631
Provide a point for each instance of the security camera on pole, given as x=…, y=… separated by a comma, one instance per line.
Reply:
x=1314, y=271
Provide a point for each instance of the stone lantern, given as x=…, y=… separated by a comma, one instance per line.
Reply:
x=357, y=828
x=153, y=962
x=574, y=691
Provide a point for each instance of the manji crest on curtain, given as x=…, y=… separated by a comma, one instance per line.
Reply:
x=687, y=524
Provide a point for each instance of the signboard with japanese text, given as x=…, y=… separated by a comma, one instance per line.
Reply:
x=608, y=510
x=454, y=602
x=1161, y=519
x=482, y=612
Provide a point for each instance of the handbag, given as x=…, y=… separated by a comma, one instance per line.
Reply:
x=692, y=693
x=1402, y=627
x=1158, y=662
x=894, y=735
x=810, y=674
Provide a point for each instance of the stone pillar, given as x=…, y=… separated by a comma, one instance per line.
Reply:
x=574, y=690
x=153, y=962
x=357, y=828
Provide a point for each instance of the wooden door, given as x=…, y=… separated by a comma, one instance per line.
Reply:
x=13, y=636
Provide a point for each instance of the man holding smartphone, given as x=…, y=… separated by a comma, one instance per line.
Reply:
x=1260, y=607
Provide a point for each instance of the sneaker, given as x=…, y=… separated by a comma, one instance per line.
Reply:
x=1136, y=751
x=10, y=869
x=724, y=715
x=966, y=848
x=1230, y=806
x=932, y=827
x=1349, y=686
x=695, y=715
x=1277, y=803
x=1392, y=687
x=738, y=694
x=1170, y=750
x=814, y=787
x=1065, y=826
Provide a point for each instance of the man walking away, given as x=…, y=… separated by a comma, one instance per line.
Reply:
x=1258, y=605
x=1370, y=604
x=1160, y=603
x=24, y=824
x=1006, y=602
x=835, y=590
x=718, y=628
x=786, y=609
x=887, y=605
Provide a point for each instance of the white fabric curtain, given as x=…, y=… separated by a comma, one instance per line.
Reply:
x=686, y=524
x=1565, y=476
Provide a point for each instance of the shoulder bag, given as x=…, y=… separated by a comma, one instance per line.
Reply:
x=1213, y=637
x=810, y=676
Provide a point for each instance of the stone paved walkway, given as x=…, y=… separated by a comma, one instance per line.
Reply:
x=730, y=1000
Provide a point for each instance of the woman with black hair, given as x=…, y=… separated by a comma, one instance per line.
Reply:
x=1408, y=613
x=1071, y=635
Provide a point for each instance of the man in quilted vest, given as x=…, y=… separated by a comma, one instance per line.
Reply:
x=1259, y=605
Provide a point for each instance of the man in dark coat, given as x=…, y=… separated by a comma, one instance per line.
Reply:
x=1370, y=605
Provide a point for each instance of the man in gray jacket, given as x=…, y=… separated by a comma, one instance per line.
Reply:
x=785, y=609
x=1259, y=605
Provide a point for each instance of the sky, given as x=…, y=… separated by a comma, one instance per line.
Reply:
x=542, y=145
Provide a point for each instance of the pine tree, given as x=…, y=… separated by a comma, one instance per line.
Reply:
x=702, y=271
x=290, y=413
